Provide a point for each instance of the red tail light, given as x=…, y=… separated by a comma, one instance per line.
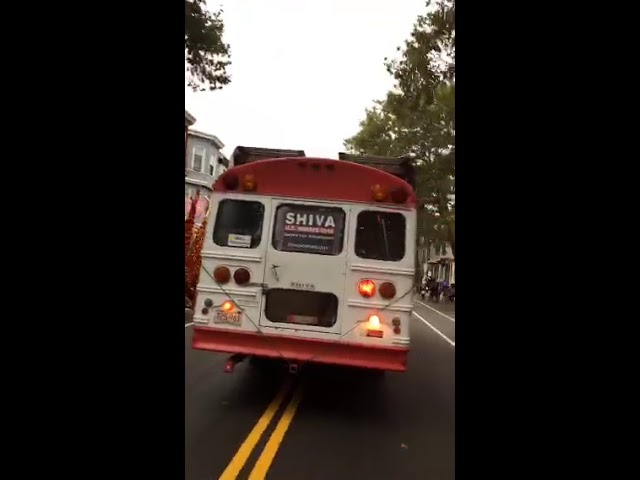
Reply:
x=222, y=274
x=367, y=288
x=242, y=276
x=230, y=181
x=399, y=195
x=387, y=290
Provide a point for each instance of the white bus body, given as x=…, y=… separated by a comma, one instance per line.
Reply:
x=305, y=279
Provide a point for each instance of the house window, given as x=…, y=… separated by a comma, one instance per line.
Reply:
x=198, y=159
x=212, y=164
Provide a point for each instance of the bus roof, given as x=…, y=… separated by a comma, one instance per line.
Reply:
x=401, y=167
x=242, y=154
x=317, y=178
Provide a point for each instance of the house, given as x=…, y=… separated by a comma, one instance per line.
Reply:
x=439, y=261
x=205, y=162
x=188, y=121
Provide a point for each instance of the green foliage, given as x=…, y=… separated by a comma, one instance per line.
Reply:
x=206, y=54
x=417, y=118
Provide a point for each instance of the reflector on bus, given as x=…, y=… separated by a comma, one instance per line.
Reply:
x=396, y=326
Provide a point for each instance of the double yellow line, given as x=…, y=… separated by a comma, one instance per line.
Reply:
x=263, y=463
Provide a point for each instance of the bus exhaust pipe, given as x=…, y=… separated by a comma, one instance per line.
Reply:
x=231, y=362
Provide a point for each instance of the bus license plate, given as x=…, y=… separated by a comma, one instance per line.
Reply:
x=232, y=318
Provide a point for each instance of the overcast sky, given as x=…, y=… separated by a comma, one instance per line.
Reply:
x=303, y=71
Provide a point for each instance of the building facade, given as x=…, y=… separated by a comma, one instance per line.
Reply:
x=204, y=162
x=439, y=262
x=188, y=121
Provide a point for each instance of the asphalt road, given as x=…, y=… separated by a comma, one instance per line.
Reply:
x=326, y=422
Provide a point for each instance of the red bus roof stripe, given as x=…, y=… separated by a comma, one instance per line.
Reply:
x=316, y=178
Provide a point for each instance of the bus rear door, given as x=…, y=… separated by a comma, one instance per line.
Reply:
x=305, y=268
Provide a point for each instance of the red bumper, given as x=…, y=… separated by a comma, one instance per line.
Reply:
x=299, y=349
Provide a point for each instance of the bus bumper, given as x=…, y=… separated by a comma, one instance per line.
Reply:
x=301, y=349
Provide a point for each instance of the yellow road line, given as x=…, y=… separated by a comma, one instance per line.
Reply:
x=241, y=456
x=261, y=467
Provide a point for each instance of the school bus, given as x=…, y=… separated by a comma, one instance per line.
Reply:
x=309, y=260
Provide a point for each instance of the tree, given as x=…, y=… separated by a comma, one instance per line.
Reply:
x=206, y=54
x=417, y=118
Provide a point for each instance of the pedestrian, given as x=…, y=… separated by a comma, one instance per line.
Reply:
x=433, y=288
x=422, y=286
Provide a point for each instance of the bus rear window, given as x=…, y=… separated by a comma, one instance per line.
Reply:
x=380, y=236
x=309, y=229
x=238, y=224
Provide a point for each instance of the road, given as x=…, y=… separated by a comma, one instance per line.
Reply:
x=326, y=422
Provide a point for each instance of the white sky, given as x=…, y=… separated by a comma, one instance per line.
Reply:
x=303, y=71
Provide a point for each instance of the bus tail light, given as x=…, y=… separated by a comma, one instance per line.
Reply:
x=387, y=290
x=241, y=276
x=221, y=274
x=249, y=183
x=373, y=327
x=366, y=288
x=399, y=195
x=230, y=181
x=227, y=306
x=379, y=193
